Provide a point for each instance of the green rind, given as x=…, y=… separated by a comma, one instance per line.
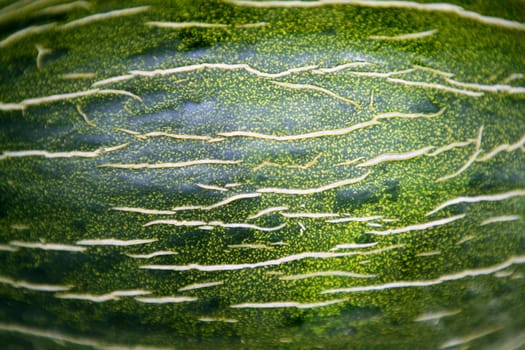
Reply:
x=67, y=200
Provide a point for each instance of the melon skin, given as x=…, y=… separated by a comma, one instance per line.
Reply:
x=253, y=175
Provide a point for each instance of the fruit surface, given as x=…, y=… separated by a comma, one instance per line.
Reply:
x=262, y=174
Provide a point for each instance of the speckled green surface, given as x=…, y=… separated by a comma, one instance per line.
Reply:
x=269, y=95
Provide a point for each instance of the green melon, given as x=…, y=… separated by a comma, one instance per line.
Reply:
x=262, y=174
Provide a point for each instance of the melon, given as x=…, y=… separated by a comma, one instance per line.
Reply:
x=242, y=174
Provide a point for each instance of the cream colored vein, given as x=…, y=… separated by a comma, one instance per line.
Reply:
x=341, y=67
x=310, y=215
x=41, y=52
x=389, y=220
x=61, y=338
x=215, y=319
x=267, y=211
x=115, y=295
x=451, y=147
x=516, y=342
x=331, y=186
x=20, y=227
x=317, y=88
x=353, y=246
x=520, y=144
x=115, y=242
x=249, y=246
x=274, y=262
x=63, y=8
x=232, y=199
x=325, y=274
x=73, y=76
x=503, y=218
x=221, y=66
x=33, y=286
x=15, y=6
x=61, y=97
x=152, y=255
x=113, y=80
x=144, y=211
x=434, y=71
x=410, y=36
x=306, y=165
x=292, y=166
x=47, y=246
x=253, y=227
x=180, y=223
x=436, y=86
x=323, y=133
x=349, y=162
x=470, y=337
x=381, y=74
x=24, y=9
x=429, y=253
x=470, y=161
x=193, y=207
x=378, y=74
x=432, y=316
x=7, y=248
x=26, y=32
x=170, y=135
x=104, y=16
x=212, y=187
x=131, y=132
x=72, y=154
x=389, y=157
x=425, y=283
x=490, y=88
x=504, y=274
x=212, y=224
x=201, y=66
x=464, y=239
x=73, y=95
x=430, y=7
x=169, y=165
x=158, y=212
x=182, y=136
x=187, y=207
x=200, y=286
x=512, y=77
x=184, y=25
x=85, y=117
x=354, y=219
x=165, y=300
x=418, y=227
x=333, y=132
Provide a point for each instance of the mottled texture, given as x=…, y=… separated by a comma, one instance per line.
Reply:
x=238, y=174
